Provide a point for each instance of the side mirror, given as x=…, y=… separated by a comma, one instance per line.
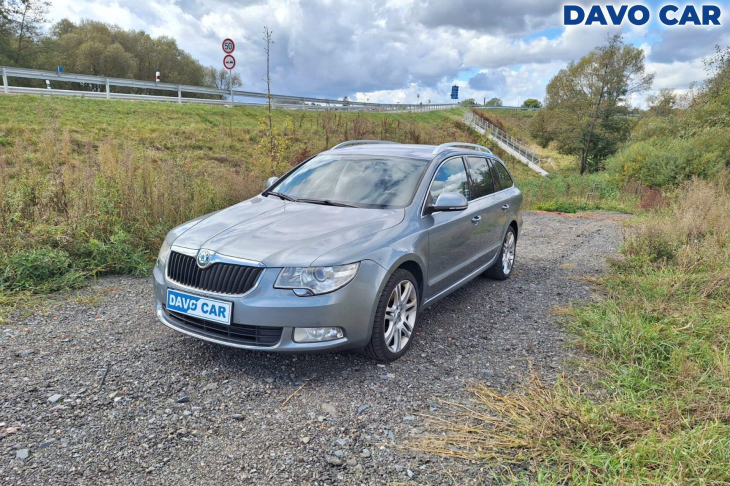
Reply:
x=271, y=181
x=448, y=201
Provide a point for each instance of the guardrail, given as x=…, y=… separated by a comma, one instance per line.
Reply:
x=102, y=89
x=514, y=143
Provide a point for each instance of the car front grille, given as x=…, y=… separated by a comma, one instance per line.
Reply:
x=221, y=278
x=233, y=333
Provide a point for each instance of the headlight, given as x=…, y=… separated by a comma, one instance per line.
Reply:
x=164, y=252
x=316, y=280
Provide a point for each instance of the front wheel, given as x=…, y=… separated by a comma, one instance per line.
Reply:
x=395, y=319
x=502, y=268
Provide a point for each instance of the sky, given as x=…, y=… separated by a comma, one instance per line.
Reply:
x=405, y=51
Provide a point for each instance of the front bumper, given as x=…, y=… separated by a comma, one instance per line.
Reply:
x=352, y=308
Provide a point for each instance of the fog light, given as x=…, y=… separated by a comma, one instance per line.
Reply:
x=317, y=334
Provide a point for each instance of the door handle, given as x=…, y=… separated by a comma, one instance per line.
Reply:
x=476, y=219
x=505, y=207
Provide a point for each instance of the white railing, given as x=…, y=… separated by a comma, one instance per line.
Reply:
x=512, y=145
x=101, y=87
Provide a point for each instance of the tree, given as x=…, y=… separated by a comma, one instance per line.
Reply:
x=21, y=27
x=468, y=102
x=494, y=102
x=716, y=88
x=531, y=103
x=663, y=102
x=539, y=128
x=96, y=48
x=5, y=33
x=584, y=98
x=267, y=47
x=222, y=78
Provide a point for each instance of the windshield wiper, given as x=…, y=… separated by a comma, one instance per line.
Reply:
x=282, y=196
x=327, y=202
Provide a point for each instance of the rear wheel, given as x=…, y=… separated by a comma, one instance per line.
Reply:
x=502, y=268
x=395, y=319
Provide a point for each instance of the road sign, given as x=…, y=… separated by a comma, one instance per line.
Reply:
x=228, y=46
x=229, y=62
x=454, y=92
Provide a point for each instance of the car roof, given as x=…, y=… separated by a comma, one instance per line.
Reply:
x=414, y=151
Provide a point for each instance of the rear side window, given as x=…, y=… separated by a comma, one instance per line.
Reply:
x=481, y=177
x=501, y=176
x=451, y=177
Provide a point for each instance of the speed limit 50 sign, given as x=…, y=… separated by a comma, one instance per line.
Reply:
x=228, y=46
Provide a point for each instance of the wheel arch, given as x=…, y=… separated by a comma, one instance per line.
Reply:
x=413, y=264
x=515, y=226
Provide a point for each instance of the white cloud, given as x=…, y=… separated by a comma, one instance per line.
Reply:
x=390, y=50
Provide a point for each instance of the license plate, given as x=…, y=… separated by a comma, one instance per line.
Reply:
x=193, y=305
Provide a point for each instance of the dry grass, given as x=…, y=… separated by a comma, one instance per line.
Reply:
x=658, y=412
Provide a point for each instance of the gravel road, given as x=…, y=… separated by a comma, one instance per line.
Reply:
x=95, y=391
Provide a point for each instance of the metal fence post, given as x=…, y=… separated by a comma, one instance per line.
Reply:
x=5, y=82
x=107, y=89
x=179, y=94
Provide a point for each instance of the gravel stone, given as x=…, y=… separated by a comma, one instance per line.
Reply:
x=22, y=454
x=333, y=461
x=55, y=397
x=502, y=327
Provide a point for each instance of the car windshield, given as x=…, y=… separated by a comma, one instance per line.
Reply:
x=357, y=180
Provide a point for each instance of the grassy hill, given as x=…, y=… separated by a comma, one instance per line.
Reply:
x=91, y=186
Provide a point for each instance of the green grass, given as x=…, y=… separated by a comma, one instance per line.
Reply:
x=657, y=408
x=573, y=193
x=89, y=187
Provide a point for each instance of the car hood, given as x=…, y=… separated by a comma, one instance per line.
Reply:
x=284, y=234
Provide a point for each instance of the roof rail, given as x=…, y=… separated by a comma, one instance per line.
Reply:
x=474, y=146
x=358, y=142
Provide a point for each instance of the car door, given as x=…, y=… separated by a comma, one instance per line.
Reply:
x=484, y=191
x=503, y=196
x=452, y=235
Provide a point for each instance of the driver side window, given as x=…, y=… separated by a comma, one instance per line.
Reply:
x=451, y=177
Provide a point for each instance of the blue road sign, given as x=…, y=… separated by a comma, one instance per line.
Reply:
x=454, y=92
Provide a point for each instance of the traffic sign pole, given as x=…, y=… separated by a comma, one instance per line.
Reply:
x=229, y=62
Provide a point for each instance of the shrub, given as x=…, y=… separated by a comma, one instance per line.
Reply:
x=37, y=269
x=656, y=411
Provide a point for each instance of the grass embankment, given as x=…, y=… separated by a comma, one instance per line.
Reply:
x=516, y=123
x=659, y=413
x=89, y=187
x=564, y=190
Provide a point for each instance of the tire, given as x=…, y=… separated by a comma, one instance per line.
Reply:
x=401, y=318
x=502, y=268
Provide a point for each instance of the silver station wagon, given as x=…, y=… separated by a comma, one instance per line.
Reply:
x=344, y=251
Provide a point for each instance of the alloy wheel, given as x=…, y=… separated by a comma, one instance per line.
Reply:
x=400, y=316
x=508, y=253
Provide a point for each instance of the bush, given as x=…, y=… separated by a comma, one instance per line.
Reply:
x=656, y=411
x=121, y=253
x=665, y=152
x=37, y=269
x=573, y=193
